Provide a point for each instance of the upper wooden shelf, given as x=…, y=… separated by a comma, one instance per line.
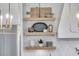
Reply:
x=40, y=48
x=40, y=33
x=39, y=19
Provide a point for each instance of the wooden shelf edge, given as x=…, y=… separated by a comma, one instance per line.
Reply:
x=39, y=48
x=39, y=34
x=39, y=19
x=8, y=33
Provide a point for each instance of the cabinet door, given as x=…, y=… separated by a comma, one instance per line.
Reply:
x=74, y=17
x=68, y=27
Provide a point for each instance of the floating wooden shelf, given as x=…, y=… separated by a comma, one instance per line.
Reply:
x=39, y=19
x=39, y=33
x=40, y=48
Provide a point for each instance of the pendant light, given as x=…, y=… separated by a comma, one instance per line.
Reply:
x=77, y=16
x=1, y=20
x=9, y=18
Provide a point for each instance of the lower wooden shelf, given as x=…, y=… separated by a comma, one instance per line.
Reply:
x=39, y=33
x=40, y=48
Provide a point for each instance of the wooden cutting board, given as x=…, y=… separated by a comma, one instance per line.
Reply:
x=41, y=12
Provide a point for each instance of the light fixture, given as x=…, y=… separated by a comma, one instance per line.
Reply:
x=8, y=19
x=1, y=20
x=7, y=15
x=77, y=16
